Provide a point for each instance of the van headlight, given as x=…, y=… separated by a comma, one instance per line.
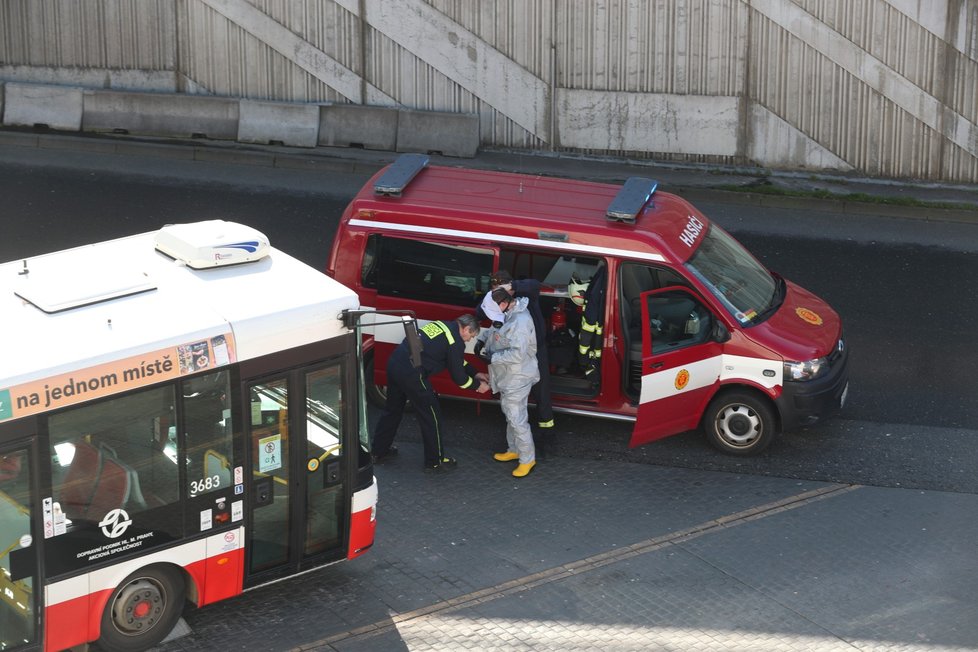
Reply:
x=809, y=370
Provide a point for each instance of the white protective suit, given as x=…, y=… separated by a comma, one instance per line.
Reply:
x=513, y=370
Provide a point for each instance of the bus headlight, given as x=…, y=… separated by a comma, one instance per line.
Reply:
x=803, y=371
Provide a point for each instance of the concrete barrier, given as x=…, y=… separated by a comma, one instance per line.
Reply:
x=159, y=114
x=57, y=107
x=450, y=134
x=277, y=122
x=353, y=125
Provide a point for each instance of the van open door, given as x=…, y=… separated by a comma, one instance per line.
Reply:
x=681, y=363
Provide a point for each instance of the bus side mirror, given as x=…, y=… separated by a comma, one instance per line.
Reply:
x=720, y=332
x=414, y=341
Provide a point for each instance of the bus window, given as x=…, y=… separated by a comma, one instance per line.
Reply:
x=207, y=421
x=16, y=592
x=324, y=490
x=110, y=455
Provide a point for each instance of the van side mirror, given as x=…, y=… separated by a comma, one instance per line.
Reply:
x=720, y=333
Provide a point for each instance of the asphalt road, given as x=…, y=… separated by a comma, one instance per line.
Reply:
x=905, y=290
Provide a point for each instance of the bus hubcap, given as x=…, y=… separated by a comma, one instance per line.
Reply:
x=138, y=607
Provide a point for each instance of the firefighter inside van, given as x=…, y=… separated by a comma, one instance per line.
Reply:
x=590, y=297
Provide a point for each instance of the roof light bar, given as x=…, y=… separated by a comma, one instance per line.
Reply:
x=400, y=173
x=631, y=199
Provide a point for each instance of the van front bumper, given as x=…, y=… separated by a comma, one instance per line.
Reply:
x=806, y=403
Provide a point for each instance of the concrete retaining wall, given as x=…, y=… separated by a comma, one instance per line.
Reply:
x=56, y=107
x=450, y=134
x=160, y=114
x=296, y=125
x=349, y=125
x=176, y=115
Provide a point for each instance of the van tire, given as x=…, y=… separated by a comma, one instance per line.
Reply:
x=143, y=609
x=740, y=423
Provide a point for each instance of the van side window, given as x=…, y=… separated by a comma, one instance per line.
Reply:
x=677, y=320
x=425, y=271
x=636, y=278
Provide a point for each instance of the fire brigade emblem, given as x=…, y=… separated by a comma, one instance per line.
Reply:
x=682, y=379
x=809, y=316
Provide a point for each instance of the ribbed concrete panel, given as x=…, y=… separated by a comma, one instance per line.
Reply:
x=235, y=49
x=849, y=101
x=888, y=87
x=132, y=34
x=654, y=46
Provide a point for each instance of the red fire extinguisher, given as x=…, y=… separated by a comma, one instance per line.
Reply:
x=558, y=318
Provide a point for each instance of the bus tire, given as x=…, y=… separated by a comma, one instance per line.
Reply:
x=143, y=609
x=376, y=394
x=740, y=423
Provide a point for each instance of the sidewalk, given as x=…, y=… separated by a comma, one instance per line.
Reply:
x=752, y=186
x=585, y=556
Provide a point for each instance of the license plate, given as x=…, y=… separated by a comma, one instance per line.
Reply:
x=845, y=394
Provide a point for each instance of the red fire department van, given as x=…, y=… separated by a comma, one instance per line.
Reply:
x=690, y=329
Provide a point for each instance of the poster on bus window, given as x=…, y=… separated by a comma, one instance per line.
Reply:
x=114, y=377
x=270, y=453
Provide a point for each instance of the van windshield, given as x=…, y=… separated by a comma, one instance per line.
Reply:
x=745, y=288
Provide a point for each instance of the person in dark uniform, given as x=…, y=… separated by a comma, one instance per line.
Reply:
x=444, y=348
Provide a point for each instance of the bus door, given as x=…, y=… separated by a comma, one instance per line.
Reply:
x=299, y=512
x=18, y=551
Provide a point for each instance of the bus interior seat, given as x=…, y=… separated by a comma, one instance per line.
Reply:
x=80, y=480
x=635, y=279
x=112, y=490
x=135, y=495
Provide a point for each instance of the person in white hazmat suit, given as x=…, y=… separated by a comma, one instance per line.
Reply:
x=510, y=347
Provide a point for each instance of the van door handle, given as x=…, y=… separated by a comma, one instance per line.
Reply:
x=656, y=365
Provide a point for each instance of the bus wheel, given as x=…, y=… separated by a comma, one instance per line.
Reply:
x=739, y=423
x=376, y=394
x=143, y=609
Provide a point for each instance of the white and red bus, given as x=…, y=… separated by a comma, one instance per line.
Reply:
x=181, y=419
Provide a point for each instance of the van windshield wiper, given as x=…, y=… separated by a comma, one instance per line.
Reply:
x=780, y=291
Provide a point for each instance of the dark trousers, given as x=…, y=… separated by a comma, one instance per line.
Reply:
x=541, y=390
x=404, y=383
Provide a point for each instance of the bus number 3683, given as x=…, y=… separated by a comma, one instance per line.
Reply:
x=205, y=484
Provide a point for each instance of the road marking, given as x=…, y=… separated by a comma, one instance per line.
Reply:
x=574, y=568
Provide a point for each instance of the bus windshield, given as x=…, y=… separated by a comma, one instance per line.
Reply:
x=742, y=285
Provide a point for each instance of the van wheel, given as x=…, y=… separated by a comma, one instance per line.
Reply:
x=739, y=423
x=376, y=394
x=142, y=610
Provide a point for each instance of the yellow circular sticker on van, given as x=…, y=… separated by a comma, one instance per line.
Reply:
x=682, y=379
x=809, y=316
